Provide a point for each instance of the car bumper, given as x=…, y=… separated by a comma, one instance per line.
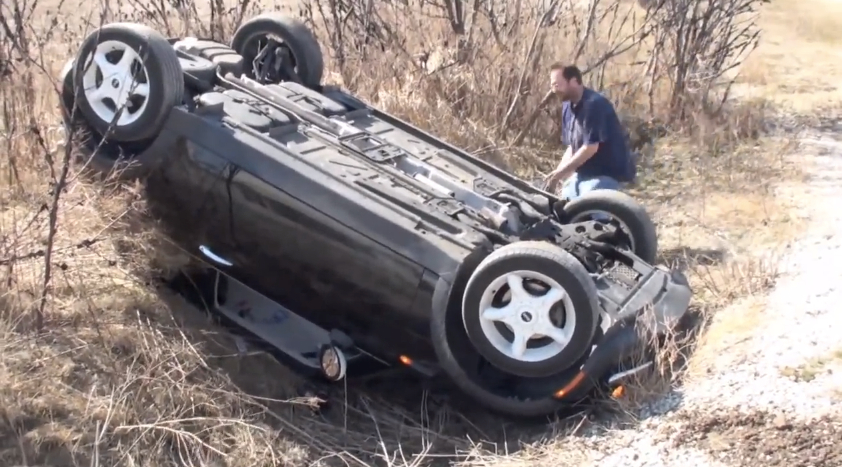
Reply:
x=655, y=307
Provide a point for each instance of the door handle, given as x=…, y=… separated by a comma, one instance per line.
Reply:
x=214, y=257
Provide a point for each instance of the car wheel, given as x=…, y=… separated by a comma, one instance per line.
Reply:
x=629, y=215
x=530, y=309
x=290, y=35
x=101, y=158
x=127, y=79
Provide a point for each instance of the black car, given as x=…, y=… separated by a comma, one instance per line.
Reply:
x=342, y=235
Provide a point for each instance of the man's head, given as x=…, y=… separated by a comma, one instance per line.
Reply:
x=566, y=81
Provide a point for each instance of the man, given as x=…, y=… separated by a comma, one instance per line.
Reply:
x=597, y=156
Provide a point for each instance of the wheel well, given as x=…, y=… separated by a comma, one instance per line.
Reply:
x=455, y=336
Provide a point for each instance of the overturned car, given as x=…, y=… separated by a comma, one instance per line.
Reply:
x=341, y=235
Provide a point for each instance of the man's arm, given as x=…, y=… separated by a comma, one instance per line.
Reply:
x=568, y=153
x=569, y=164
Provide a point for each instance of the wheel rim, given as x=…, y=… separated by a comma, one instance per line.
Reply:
x=116, y=79
x=256, y=43
x=527, y=316
x=607, y=218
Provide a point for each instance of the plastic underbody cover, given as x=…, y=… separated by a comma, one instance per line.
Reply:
x=379, y=158
x=309, y=99
x=625, y=291
x=245, y=109
x=219, y=54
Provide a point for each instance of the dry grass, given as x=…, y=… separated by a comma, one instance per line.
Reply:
x=121, y=374
x=727, y=333
x=809, y=370
x=799, y=62
x=795, y=68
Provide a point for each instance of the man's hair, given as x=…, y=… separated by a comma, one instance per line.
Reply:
x=567, y=71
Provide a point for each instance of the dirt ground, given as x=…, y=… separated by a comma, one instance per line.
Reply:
x=798, y=66
x=762, y=438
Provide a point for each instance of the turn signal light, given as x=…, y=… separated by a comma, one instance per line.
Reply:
x=570, y=386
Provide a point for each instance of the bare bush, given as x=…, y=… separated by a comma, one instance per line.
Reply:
x=481, y=65
x=698, y=46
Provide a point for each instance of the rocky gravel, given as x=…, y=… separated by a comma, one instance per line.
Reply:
x=778, y=401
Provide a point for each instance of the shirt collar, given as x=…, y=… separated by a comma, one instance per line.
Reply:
x=586, y=93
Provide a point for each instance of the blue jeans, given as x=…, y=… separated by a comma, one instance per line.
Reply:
x=576, y=186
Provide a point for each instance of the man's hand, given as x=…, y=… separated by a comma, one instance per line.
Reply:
x=568, y=166
x=553, y=178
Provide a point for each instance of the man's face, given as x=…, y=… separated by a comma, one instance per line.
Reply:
x=559, y=85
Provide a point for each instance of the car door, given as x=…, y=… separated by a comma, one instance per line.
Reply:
x=177, y=192
x=307, y=261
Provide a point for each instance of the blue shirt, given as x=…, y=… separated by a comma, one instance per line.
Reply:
x=593, y=120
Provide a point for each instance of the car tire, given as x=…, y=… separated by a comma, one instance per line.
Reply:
x=126, y=161
x=156, y=62
x=551, y=265
x=632, y=216
x=300, y=40
x=68, y=100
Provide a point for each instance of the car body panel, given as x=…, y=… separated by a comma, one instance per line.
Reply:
x=189, y=173
x=299, y=256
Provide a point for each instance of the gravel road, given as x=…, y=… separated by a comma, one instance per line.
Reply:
x=778, y=401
